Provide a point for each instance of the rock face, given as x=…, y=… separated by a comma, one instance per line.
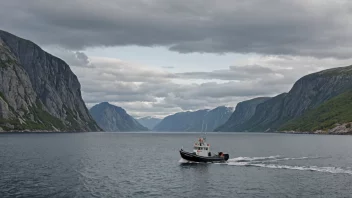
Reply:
x=244, y=111
x=198, y=121
x=38, y=92
x=114, y=119
x=149, y=122
x=341, y=129
x=307, y=93
x=333, y=116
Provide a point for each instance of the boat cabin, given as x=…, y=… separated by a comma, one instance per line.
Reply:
x=202, y=148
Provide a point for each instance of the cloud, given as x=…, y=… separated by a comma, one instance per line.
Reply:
x=233, y=73
x=168, y=67
x=145, y=91
x=282, y=41
x=72, y=58
x=83, y=59
x=268, y=27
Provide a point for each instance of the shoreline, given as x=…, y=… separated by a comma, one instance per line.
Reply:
x=151, y=132
x=315, y=133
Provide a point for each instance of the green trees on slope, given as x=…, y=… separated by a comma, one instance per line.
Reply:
x=337, y=110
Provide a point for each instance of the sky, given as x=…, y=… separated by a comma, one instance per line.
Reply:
x=159, y=57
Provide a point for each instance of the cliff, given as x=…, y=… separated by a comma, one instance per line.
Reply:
x=307, y=93
x=38, y=92
x=333, y=116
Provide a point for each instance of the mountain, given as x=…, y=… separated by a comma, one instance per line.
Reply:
x=38, y=91
x=112, y=118
x=149, y=122
x=243, y=112
x=333, y=116
x=307, y=93
x=197, y=121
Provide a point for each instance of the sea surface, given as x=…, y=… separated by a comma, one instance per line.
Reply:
x=149, y=165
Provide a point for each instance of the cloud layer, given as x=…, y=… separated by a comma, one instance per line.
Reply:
x=146, y=91
x=283, y=40
x=270, y=27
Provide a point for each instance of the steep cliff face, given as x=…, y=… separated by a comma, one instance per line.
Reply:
x=149, y=122
x=243, y=112
x=114, y=119
x=198, y=121
x=332, y=116
x=307, y=93
x=38, y=90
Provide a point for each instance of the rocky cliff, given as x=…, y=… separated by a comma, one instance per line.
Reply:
x=333, y=116
x=38, y=92
x=197, y=121
x=149, y=122
x=243, y=112
x=307, y=93
x=114, y=119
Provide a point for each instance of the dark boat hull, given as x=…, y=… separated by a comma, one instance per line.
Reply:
x=196, y=158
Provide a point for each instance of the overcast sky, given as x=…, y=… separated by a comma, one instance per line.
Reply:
x=157, y=57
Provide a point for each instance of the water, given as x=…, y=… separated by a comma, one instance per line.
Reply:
x=149, y=165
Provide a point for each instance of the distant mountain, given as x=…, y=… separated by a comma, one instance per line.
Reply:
x=38, y=91
x=197, y=121
x=243, y=112
x=308, y=93
x=113, y=119
x=149, y=122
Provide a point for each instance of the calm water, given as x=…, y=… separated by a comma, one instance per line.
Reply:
x=149, y=165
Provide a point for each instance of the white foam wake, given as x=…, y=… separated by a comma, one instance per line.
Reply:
x=183, y=161
x=266, y=162
x=302, y=168
x=269, y=159
x=250, y=159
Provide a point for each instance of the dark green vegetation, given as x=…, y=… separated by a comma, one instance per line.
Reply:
x=337, y=110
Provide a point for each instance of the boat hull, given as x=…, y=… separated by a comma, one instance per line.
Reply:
x=196, y=158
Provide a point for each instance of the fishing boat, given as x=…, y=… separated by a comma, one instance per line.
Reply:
x=202, y=153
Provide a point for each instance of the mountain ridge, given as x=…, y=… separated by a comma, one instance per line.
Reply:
x=204, y=120
x=307, y=93
x=149, y=121
x=112, y=118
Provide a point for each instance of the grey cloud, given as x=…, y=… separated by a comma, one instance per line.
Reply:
x=75, y=59
x=306, y=28
x=160, y=95
x=160, y=92
x=168, y=67
x=83, y=58
x=233, y=73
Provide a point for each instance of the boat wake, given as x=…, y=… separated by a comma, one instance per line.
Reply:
x=271, y=162
x=266, y=162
